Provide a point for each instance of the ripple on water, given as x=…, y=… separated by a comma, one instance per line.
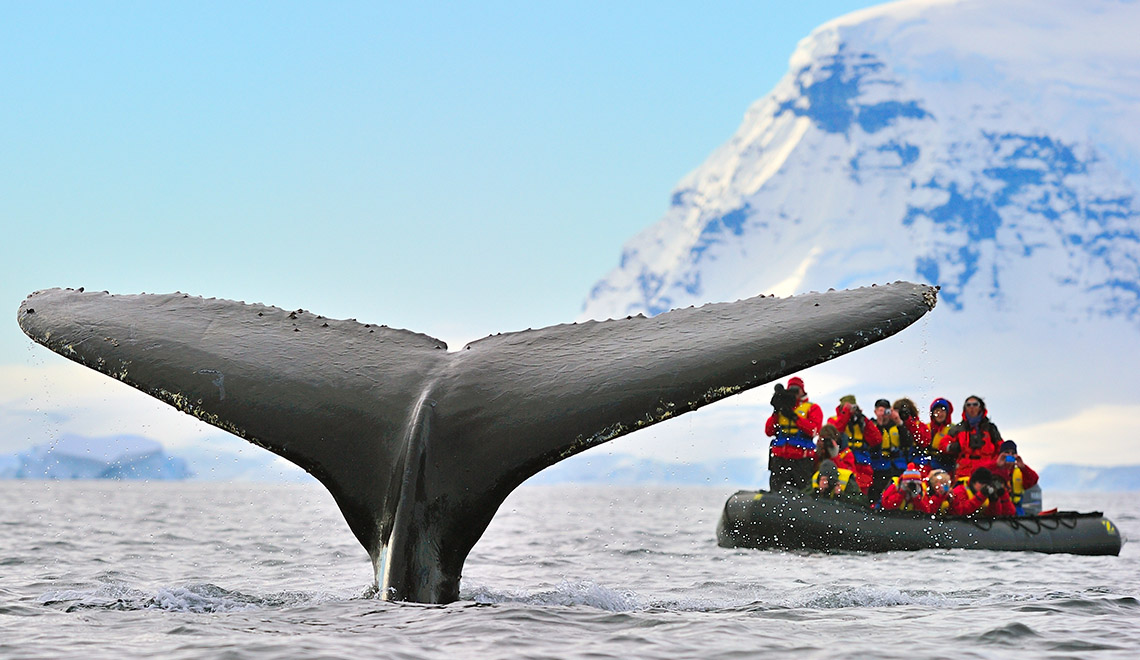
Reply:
x=1010, y=634
x=197, y=598
x=567, y=593
x=606, y=573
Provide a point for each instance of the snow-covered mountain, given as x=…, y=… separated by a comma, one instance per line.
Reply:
x=124, y=457
x=991, y=148
x=133, y=457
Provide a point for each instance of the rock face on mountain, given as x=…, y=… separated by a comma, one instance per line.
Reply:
x=989, y=148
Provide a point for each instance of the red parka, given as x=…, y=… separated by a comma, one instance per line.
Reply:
x=844, y=460
x=934, y=503
x=1002, y=507
x=894, y=499
x=920, y=438
x=1004, y=471
x=1029, y=477
x=976, y=447
x=862, y=439
x=964, y=501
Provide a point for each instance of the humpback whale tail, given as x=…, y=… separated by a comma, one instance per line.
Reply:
x=419, y=446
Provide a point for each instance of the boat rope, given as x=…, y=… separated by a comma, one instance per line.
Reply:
x=1032, y=525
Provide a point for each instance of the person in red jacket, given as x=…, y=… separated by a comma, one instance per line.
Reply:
x=937, y=500
x=976, y=439
x=792, y=427
x=863, y=438
x=941, y=421
x=981, y=495
x=905, y=492
x=1017, y=476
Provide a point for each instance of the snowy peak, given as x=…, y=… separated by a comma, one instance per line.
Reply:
x=953, y=142
x=837, y=92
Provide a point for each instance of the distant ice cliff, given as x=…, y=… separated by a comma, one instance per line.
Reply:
x=124, y=457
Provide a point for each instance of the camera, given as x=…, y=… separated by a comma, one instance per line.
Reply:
x=989, y=491
x=783, y=400
x=1010, y=459
x=977, y=441
x=911, y=488
x=906, y=409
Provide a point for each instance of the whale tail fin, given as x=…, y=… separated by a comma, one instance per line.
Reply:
x=420, y=446
x=331, y=396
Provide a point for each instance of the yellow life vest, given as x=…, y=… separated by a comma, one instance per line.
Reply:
x=844, y=477
x=1017, y=489
x=788, y=427
x=855, y=435
x=892, y=441
x=936, y=437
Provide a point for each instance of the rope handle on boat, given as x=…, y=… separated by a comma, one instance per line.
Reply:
x=1032, y=525
x=1035, y=525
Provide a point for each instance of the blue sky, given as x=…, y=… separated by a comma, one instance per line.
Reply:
x=457, y=169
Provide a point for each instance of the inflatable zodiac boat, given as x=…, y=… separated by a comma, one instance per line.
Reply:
x=790, y=520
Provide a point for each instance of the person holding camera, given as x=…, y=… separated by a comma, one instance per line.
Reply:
x=794, y=422
x=835, y=483
x=905, y=492
x=937, y=499
x=941, y=421
x=976, y=439
x=863, y=438
x=919, y=451
x=984, y=494
x=890, y=461
x=1018, y=477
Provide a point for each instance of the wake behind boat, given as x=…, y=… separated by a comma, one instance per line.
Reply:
x=792, y=520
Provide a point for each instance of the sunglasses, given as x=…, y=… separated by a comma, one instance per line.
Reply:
x=973, y=404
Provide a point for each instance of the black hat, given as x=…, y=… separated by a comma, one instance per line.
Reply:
x=882, y=402
x=1007, y=447
x=830, y=470
x=982, y=476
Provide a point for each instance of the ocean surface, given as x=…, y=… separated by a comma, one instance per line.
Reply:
x=190, y=570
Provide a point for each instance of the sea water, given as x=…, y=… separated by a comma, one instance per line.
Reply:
x=193, y=570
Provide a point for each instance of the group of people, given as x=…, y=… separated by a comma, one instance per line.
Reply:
x=894, y=460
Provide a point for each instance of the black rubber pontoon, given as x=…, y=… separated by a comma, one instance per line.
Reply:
x=789, y=520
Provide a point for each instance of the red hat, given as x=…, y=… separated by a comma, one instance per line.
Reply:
x=911, y=472
x=796, y=381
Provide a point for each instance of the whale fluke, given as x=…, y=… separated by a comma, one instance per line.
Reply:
x=419, y=446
